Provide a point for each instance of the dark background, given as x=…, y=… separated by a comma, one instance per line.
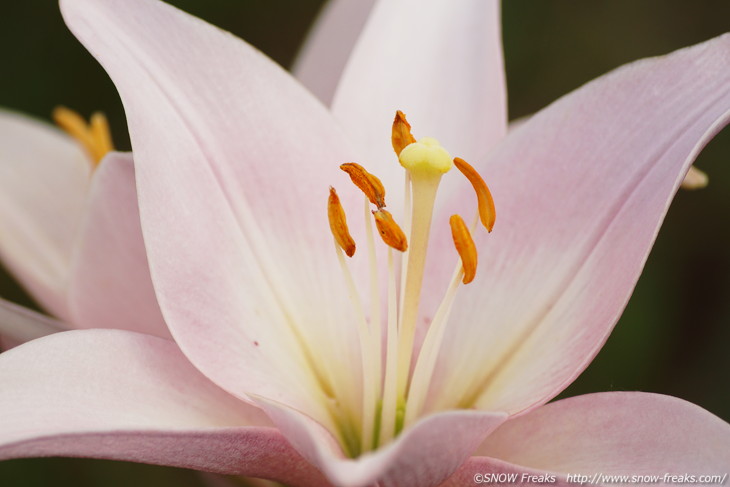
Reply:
x=674, y=335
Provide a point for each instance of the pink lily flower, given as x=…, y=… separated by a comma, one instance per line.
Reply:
x=233, y=159
x=71, y=236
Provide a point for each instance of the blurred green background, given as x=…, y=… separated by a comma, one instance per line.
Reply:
x=674, y=335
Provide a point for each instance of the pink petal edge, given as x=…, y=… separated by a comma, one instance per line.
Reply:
x=126, y=396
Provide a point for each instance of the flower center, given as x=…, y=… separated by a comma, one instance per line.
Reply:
x=94, y=135
x=395, y=381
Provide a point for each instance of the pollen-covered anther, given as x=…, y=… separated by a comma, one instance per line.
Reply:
x=94, y=136
x=338, y=224
x=367, y=182
x=487, y=212
x=402, y=135
x=465, y=247
x=389, y=230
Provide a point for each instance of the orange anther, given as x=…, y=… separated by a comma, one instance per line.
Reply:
x=368, y=183
x=401, y=133
x=389, y=230
x=338, y=223
x=487, y=213
x=465, y=247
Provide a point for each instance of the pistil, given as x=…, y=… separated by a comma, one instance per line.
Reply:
x=426, y=161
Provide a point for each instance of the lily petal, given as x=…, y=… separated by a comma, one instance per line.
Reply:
x=226, y=167
x=324, y=54
x=408, y=461
x=20, y=324
x=126, y=396
x=439, y=62
x=582, y=188
x=43, y=182
x=615, y=433
x=110, y=284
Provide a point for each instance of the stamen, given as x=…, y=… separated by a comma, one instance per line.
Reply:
x=465, y=247
x=368, y=183
x=695, y=179
x=395, y=381
x=390, y=379
x=389, y=230
x=338, y=224
x=367, y=344
x=94, y=136
x=376, y=335
x=487, y=213
x=401, y=136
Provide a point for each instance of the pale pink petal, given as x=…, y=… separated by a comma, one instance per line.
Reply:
x=233, y=160
x=424, y=455
x=439, y=62
x=126, y=396
x=327, y=48
x=631, y=433
x=19, y=324
x=110, y=285
x=43, y=182
x=581, y=189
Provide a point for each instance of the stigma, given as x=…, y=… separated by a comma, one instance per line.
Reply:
x=94, y=135
x=425, y=157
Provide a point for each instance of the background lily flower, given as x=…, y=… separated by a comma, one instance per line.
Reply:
x=218, y=343
x=71, y=235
